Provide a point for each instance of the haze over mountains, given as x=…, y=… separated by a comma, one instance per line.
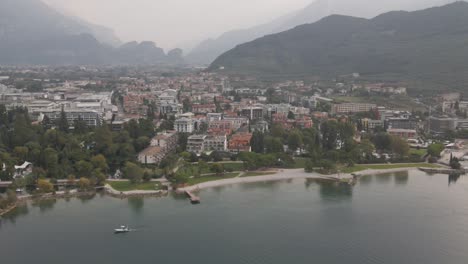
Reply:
x=33, y=33
x=209, y=49
x=428, y=45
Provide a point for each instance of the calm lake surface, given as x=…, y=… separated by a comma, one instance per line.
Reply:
x=394, y=218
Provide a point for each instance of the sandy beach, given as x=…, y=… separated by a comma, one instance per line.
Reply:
x=289, y=175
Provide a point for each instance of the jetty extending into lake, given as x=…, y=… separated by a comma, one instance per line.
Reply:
x=443, y=171
x=193, y=198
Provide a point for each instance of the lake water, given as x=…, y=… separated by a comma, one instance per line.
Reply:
x=394, y=218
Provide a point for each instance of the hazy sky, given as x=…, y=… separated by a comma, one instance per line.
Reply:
x=172, y=23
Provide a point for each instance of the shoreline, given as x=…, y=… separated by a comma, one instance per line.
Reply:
x=136, y=193
x=290, y=174
x=280, y=175
x=8, y=210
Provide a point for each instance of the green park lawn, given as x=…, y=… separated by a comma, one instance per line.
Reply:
x=359, y=167
x=193, y=169
x=418, y=152
x=125, y=186
x=202, y=179
x=299, y=163
x=253, y=174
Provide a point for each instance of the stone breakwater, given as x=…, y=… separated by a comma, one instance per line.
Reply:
x=113, y=192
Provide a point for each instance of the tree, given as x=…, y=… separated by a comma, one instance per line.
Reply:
x=295, y=141
x=133, y=172
x=182, y=141
x=103, y=139
x=62, y=122
x=435, y=149
x=309, y=166
x=51, y=162
x=11, y=196
x=98, y=177
x=100, y=162
x=291, y=115
x=216, y=156
x=274, y=145
x=217, y=168
x=141, y=143
x=185, y=155
x=455, y=163
x=71, y=180
x=202, y=166
x=382, y=141
x=80, y=126
x=21, y=153
x=399, y=146
x=45, y=186
x=84, y=184
x=257, y=142
x=84, y=168
x=277, y=130
x=330, y=134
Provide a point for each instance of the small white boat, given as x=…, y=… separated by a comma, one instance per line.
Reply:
x=122, y=229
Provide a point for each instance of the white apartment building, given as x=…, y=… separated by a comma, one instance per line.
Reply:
x=184, y=125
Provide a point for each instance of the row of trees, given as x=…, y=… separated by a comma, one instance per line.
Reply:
x=59, y=153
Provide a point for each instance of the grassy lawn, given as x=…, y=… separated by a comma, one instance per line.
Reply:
x=358, y=167
x=202, y=179
x=125, y=186
x=192, y=169
x=299, y=163
x=419, y=152
x=253, y=174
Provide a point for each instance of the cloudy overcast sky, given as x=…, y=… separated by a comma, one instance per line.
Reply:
x=173, y=23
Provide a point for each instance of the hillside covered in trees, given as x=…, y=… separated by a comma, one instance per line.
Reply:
x=428, y=46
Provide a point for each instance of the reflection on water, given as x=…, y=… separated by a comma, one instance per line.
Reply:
x=136, y=204
x=453, y=178
x=21, y=210
x=270, y=185
x=366, y=180
x=384, y=178
x=401, y=178
x=44, y=205
x=86, y=198
x=332, y=190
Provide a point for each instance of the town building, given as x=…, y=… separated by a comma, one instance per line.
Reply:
x=184, y=125
x=237, y=121
x=370, y=124
x=252, y=112
x=90, y=117
x=151, y=155
x=440, y=125
x=240, y=143
x=350, y=108
x=401, y=123
x=403, y=133
x=196, y=143
x=160, y=146
x=215, y=143
x=203, y=108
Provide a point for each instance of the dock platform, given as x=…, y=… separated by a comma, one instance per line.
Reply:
x=193, y=198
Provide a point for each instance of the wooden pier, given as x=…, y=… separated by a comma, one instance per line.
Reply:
x=193, y=198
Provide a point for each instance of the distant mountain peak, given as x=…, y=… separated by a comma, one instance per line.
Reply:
x=425, y=46
x=207, y=51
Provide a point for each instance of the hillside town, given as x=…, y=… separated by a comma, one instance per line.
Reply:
x=327, y=125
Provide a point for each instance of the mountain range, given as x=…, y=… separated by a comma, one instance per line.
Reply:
x=428, y=45
x=31, y=32
x=208, y=50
